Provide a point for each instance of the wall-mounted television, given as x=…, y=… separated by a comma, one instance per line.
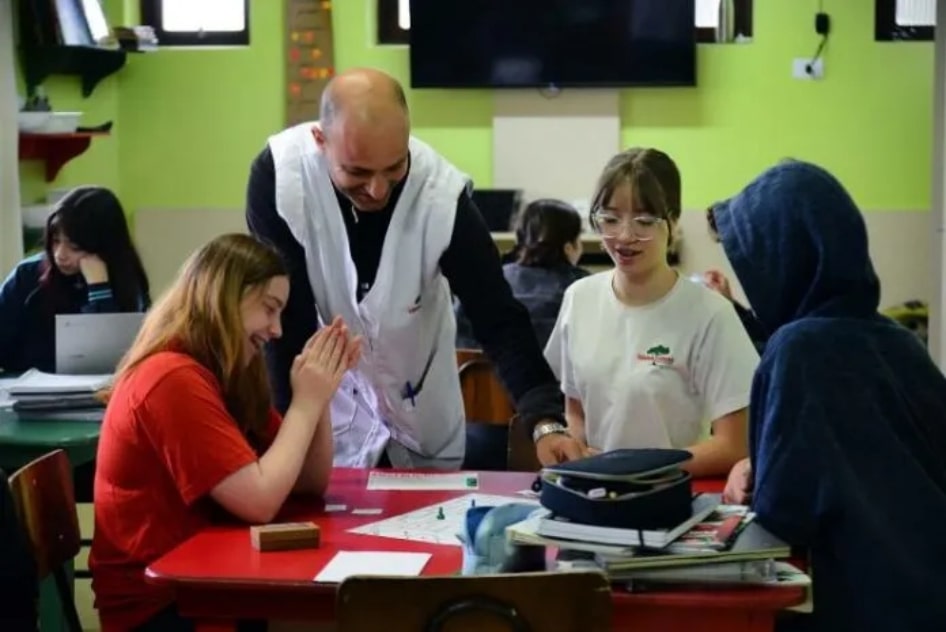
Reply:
x=552, y=43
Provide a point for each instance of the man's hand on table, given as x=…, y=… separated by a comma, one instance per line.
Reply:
x=554, y=445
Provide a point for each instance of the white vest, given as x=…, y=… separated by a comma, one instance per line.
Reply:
x=406, y=318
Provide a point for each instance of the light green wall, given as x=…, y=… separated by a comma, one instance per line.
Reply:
x=194, y=118
x=188, y=122
x=869, y=120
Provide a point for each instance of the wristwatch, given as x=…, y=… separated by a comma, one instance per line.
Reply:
x=547, y=428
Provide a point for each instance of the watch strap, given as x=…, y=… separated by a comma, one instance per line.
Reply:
x=546, y=428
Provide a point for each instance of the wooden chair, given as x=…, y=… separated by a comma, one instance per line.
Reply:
x=488, y=410
x=485, y=399
x=465, y=355
x=45, y=503
x=526, y=602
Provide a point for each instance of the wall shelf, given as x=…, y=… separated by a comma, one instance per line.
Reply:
x=44, y=51
x=90, y=63
x=55, y=149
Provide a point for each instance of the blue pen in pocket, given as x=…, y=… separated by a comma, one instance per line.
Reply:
x=410, y=391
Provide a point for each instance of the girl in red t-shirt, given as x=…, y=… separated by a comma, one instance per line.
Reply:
x=190, y=428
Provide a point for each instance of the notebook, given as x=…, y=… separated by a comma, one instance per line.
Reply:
x=552, y=526
x=36, y=384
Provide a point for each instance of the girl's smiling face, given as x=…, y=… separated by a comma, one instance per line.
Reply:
x=261, y=310
x=636, y=239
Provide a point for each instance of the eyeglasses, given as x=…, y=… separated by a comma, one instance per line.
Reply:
x=643, y=227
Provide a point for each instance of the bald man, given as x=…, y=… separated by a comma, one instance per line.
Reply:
x=379, y=229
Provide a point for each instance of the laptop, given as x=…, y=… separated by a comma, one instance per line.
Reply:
x=93, y=344
x=498, y=207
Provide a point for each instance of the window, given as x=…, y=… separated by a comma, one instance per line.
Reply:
x=898, y=20
x=394, y=20
x=198, y=23
x=707, y=20
x=95, y=17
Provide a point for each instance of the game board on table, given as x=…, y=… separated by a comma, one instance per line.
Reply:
x=437, y=523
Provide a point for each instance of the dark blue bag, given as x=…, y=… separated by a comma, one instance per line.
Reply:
x=627, y=489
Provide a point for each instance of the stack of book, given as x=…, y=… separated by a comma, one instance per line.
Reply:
x=718, y=544
x=40, y=395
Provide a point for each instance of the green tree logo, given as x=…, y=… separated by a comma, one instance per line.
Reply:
x=658, y=354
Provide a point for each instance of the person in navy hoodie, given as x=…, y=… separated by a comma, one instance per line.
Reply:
x=88, y=265
x=847, y=412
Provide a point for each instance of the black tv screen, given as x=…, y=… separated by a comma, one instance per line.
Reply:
x=552, y=43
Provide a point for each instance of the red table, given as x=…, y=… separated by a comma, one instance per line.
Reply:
x=218, y=577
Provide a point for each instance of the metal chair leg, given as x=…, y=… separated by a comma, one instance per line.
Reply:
x=67, y=600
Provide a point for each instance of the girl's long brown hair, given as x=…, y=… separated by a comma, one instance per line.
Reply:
x=200, y=315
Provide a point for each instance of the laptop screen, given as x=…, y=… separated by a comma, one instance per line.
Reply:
x=94, y=344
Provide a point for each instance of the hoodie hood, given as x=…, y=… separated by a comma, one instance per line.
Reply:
x=798, y=245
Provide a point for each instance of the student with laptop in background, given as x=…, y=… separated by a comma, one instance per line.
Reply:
x=548, y=247
x=88, y=265
x=848, y=410
x=190, y=433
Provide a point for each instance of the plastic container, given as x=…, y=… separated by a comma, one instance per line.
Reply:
x=35, y=216
x=33, y=122
x=62, y=123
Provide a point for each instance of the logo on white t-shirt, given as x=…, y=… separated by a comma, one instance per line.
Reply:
x=658, y=355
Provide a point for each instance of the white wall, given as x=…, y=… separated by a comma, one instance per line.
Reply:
x=530, y=125
x=11, y=228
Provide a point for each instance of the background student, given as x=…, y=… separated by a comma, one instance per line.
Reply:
x=716, y=280
x=190, y=429
x=646, y=358
x=88, y=264
x=548, y=247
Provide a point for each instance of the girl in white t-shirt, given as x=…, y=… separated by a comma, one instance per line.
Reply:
x=645, y=357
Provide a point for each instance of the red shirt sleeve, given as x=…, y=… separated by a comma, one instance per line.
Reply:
x=187, y=422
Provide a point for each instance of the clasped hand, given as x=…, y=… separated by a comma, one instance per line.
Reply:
x=318, y=369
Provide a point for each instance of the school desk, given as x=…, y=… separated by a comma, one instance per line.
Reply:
x=22, y=440
x=218, y=577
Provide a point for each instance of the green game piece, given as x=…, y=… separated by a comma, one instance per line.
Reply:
x=471, y=481
x=440, y=515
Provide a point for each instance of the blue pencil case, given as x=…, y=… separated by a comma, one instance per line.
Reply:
x=626, y=489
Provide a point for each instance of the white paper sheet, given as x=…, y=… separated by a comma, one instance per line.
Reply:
x=35, y=382
x=408, y=481
x=383, y=563
x=434, y=524
x=5, y=383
